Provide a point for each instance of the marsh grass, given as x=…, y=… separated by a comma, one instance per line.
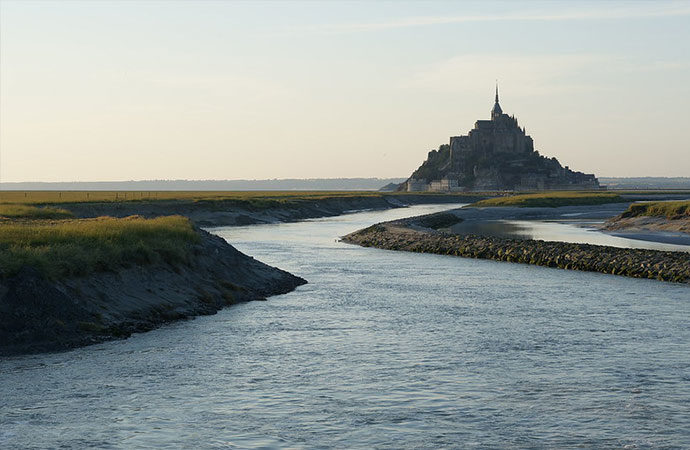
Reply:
x=552, y=199
x=257, y=197
x=670, y=210
x=64, y=248
x=18, y=211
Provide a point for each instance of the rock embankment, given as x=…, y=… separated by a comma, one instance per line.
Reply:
x=660, y=265
x=38, y=314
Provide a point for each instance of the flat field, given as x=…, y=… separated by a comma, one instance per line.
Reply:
x=50, y=197
x=56, y=197
x=552, y=199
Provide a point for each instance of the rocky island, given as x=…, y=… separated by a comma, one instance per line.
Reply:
x=496, y=155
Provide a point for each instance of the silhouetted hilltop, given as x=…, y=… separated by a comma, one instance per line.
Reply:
x=496, y=154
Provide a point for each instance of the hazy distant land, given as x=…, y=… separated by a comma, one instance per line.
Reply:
x=288, y=184
x=646, y=182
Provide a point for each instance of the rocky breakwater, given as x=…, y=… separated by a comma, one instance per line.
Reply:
x=39, y=313
x=421, y=235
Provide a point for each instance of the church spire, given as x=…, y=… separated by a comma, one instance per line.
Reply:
x=496, y=111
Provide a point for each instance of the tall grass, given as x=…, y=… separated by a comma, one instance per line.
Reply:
x=670, y=210
x=17, y=211
x=79, y=247
x=552, y=199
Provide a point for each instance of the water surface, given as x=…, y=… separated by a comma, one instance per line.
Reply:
x=577, y=231
x=382, y=349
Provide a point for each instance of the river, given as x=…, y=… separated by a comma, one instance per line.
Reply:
x=381, y=349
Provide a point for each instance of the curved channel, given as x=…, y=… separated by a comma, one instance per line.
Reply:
x=381, y=349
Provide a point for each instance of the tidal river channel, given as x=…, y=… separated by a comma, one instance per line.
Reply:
x=381, y=349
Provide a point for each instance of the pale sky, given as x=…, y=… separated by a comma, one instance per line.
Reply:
x=129, y=90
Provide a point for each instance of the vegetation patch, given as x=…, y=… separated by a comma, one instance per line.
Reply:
x=18, y=211
x=670, y=210
x=552, y=199
x=63, y=248
x=257, y=198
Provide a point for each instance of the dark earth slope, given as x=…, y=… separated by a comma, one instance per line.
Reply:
x=38, y=314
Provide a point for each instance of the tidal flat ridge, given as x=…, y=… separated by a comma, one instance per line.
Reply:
x=419, y=235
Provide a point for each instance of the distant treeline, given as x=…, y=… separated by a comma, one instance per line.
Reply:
x=645, y=182
x=310, y=184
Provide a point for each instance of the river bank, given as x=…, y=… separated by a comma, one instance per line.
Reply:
x=442, y=233
x=231, y=212
x=39, y=314
x=48, y=305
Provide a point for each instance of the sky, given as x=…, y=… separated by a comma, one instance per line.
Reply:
x=132, y=90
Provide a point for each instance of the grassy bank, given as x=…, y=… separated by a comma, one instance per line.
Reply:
x=552, y=199
x=78, y=247
x=670, y=210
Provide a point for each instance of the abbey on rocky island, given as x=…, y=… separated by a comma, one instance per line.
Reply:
x=496, y=155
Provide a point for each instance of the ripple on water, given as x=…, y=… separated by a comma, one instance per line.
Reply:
x=381, y=349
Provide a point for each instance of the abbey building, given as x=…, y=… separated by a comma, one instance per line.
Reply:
x=496, y=154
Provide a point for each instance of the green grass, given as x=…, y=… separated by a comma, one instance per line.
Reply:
x=79, y=247
x=670, y=210
x=552, y=199
x=18, y=211
x=57, y=197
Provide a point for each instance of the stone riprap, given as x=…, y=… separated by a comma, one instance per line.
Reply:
x=638, y=263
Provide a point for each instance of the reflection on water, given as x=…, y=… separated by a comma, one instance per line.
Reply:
x=497, y=228
x=582, y=232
